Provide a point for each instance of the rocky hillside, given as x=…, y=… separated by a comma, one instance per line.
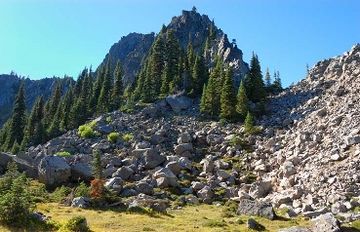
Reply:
x=305, y=159
x=310, y=152
x=9, y=85
x=189, y=27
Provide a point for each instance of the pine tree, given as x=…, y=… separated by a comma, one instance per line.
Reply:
x=96, y=165
x=254, y=83
x=203, y=100
x=156, y=66
x=228, y=97
x=242, y=104
x=18, y=119
x=211, y=101
x=34, y=130
x=105, y=93
x=267, y=79
x=118, y=88
x=249, y=123
x=199, y=76
x=53, y=103
x=97, y=88
x=277, y=86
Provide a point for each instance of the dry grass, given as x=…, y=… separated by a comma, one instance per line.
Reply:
x=201, y=218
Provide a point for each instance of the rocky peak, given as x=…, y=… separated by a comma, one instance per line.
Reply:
x=131, y=50
x=189, y=27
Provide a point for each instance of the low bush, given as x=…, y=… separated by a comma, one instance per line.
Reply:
x=87, y=130
x=63, y=154
x=59, y=194
x=113, y=137
x=82, y=190
x=75, y=224
x=127, y=137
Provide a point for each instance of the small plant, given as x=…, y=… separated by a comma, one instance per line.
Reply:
x=127, y=137
x=108, y=119
x=75, y=224
x=82, y=190
x=113, y=137
x=87, y=130
x=63, y=154
x=60, y=194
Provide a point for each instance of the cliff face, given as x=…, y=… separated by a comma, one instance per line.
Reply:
x=9, y=85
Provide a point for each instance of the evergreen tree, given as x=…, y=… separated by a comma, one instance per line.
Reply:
x=249, y=123
x=203, y=106
x=199, y=76
x=254, y=84
x=211, y=103
x=228, y=97
x=34, y=130
x=53, y=103
x=118, y=88
x=67, y=105
x=97, y=88
x=267, y=79
x=277, y=86
x=105, y=93
x=156, y=65
x=242, y=104
x=18, y=119
x=96, y=165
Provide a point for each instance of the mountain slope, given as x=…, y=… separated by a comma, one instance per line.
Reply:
x=311, y=151
x=9, y=85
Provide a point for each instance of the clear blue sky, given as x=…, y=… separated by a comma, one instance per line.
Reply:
x=40, y=38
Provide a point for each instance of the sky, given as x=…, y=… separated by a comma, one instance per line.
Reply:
x=44, y=38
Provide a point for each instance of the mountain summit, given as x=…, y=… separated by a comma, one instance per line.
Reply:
x=189, y=28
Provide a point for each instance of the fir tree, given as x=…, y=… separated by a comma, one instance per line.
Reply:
x=254, y=83
x=228, y=97
x=199, y=76
x=203, y=107
x=18, y=119
x=96, y=165
x=267, y=79
x=277, y=86
x=105, y=93
x=249, y=123
x=53, y=103
x=34, y=130
x=118, y=88
x=242, y=104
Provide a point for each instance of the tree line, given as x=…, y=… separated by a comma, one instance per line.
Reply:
x=168, y=69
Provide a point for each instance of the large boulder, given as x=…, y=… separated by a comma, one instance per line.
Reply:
x=80, y=202
x=81, y=171
x=153, y=159
x=179, y=102
x=123, y=172
x=115, y=183
x=53, y=171
x=165, y=178
x=183, y=149
x=326, y=223
x=256, y=208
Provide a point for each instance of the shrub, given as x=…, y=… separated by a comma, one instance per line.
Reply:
x=127, y=137
x=15, y=203
x=113, y=137
x=38, y=191
x=215, y=223
x=97, y=189
x=60, y=193
x=63, y=154
x=87, y=130
x=75, y=224
x=82, y=190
